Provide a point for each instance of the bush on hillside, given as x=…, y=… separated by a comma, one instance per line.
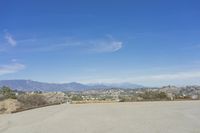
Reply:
x=77, y=98
x=32, y=100
x=7, y=92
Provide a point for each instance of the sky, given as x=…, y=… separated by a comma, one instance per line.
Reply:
x=151, y=43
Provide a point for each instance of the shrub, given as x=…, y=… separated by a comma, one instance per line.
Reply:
x=7, y=92
x=154, y=95
x=32, y=100
x=77, y=98
x=2, y=97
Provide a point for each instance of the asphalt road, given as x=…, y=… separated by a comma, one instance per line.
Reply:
x=138, y=117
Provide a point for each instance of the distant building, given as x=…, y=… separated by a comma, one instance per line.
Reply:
x=195, y=97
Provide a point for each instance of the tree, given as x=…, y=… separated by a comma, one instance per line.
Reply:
x=77, y=98
x=7, y=92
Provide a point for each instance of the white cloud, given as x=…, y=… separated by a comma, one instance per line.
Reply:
x=168, y=77
x=10, y=39
x=11, y=68
x=104, y=46
x=164, y=78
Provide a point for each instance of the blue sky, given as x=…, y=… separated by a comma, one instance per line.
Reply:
x=152, y=43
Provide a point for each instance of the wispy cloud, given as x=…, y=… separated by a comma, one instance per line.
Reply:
x=102, y=45
x=168, y=77
x=10, y=39
x=11, y=68
x=178, y=76
x=91, y=46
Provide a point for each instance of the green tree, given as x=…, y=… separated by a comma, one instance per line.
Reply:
x=7, y=92
x=77, y=98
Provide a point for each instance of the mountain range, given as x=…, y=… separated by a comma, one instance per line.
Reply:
x=29, y=85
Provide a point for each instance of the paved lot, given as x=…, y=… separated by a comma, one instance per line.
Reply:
x=139, y=117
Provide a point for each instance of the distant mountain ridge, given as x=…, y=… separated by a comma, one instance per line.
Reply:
x=29, y=85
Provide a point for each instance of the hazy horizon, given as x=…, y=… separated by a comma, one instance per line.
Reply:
x=113, y=84
x=150, y=43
